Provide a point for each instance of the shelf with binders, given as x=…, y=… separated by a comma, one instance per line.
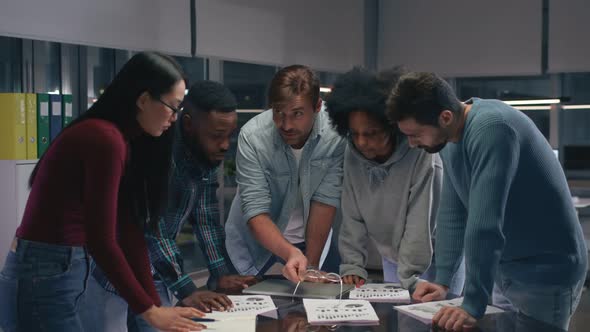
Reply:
x=29, y=121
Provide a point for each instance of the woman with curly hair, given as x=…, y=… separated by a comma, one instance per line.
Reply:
x=391, y=191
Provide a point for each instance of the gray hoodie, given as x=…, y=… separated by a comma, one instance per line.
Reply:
x=394, y=204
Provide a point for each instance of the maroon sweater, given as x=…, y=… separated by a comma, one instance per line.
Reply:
x=74, y=202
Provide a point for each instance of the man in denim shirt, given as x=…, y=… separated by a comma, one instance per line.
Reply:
x=289, y=174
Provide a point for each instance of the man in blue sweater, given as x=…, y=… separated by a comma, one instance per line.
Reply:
x=505, y=203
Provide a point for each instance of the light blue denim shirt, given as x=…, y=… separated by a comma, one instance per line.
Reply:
x=268, y=180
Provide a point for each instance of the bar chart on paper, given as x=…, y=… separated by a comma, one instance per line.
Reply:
x=390, y=293
x=344, y=312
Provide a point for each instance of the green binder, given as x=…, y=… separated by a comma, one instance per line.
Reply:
x=66, y=107
x=42, y=123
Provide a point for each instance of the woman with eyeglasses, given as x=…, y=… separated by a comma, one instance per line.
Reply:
x=390, y=191
x=99, y=184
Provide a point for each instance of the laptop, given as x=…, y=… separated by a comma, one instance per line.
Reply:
x=309, y=290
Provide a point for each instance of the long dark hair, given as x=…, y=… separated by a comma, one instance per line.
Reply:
x=145, y=182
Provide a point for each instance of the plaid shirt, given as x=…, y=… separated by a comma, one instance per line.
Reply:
x=192, y=199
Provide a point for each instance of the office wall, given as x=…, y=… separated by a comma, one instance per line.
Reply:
x=569, y=27
x=130, y=24
x=326, y=35
x=462, y=37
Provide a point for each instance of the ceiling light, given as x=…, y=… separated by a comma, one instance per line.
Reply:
x=533, y=101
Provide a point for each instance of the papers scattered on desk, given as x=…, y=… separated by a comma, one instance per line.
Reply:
x=390, y=293
x=246, y=306
x=344, y=312
x=424, y=312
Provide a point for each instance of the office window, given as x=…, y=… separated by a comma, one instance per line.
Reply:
x=10, y=64
x=510, y=88
x=577, y=157
x=575, y=87
x=46, y=67
x=100, y=71
x=327, y=79
x=70, y=75
x=194, y=68
x=528, y=87
x=249, y=83
x=541, y=118
x=121, y=58
x=574, y=123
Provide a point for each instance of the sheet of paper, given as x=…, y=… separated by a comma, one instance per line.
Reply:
x=241, y=324
x=391, y=293
x=246, y=306
x=426, y=311
x=321, y=312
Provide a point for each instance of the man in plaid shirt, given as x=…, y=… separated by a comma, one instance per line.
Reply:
x=200, y=142
x=193, y=199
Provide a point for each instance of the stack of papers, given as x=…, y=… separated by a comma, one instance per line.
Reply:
x=341, y=312
x=390, y=293
x=424, y=312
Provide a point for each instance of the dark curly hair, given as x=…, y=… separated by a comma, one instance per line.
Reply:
x=361, y=90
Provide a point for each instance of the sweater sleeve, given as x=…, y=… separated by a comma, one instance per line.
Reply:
x=450, y=231
x=134, y=246
x=103, y=155
x=494, y=154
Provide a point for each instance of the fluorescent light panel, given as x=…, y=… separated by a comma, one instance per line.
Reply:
x=532, y=102
x=325, y=89
x=534, y=108
x=548, y=107
x=576, y=107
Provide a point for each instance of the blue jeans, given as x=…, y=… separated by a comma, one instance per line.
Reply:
x=550, y=304
x=41, y=286
x=105, y=311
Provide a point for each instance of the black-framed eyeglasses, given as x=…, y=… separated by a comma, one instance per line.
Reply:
x=174, y=109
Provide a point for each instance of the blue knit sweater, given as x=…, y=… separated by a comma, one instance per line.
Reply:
x=506, y=204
